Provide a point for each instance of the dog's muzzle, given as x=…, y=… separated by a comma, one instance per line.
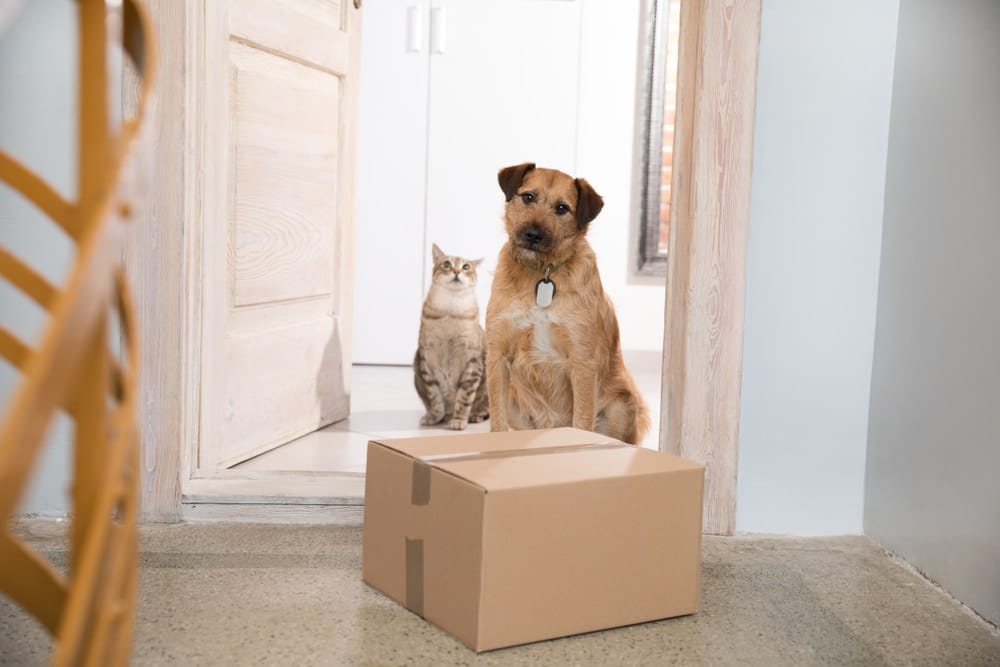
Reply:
x=533, y=237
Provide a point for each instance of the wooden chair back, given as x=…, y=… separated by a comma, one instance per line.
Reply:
x=89, y=610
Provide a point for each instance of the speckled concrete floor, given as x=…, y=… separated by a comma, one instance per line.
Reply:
x=292, y=595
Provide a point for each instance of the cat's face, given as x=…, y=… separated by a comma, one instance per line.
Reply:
x=453, y=272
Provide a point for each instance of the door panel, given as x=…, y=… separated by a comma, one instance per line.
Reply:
x=306, y=30
x=258, y=416
x=285, y=176
x=279, y=154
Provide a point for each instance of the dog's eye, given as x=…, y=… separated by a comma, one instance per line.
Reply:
x=562, y=209
x=466, y=267
x=528, y=197
x=446, y=265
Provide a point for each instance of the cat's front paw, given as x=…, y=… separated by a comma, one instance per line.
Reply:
x=458, y=424
x=431, y=420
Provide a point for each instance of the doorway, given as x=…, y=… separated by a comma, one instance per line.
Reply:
x=605, y=116
x=451, y=73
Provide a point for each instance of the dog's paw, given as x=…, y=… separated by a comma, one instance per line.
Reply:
x=458, y=424
x=431, y=420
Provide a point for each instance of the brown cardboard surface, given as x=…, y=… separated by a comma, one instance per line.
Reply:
x=485, y=442
x=451, y=530
x=507, y=538
x=562, y=467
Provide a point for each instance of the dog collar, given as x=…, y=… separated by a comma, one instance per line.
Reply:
x=545, y=289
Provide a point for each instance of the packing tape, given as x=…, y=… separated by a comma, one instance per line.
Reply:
x=415, y=576
x=420, y=489
x=420, y=494
x=514, y=453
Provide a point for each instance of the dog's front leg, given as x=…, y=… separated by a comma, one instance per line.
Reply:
x=584, y=383
x=497, y=387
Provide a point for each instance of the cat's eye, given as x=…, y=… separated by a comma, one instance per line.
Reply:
x=446, y=265
x=466, y=267
x=562, y=209
x=528, y=197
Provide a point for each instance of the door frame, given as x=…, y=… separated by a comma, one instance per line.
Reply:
x=706, y=257
x=165, y=263
x=703, y=330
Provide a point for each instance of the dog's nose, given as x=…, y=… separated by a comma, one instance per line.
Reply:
x=532, y=235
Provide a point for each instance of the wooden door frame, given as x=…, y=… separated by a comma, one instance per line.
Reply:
x=703, y=331
x=706, y=258
x=156, y=262
x=164, y=260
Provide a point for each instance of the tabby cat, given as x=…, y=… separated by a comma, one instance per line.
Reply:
x=450, y=366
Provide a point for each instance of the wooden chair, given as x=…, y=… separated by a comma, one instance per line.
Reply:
x=89, y=611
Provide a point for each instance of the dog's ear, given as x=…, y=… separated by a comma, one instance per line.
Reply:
x=437, y=254
x=511, y=178
x=588, y=203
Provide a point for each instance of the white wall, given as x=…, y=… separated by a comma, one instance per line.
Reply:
x=591, y=137
x=823, y=97
x=605, y=158
x=931, y=493
x=37, y=126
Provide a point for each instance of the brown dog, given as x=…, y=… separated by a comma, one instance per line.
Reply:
x=553, y=356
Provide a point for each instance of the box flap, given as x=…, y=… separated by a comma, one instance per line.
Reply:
x=563, y=466
x=485, y=442
x=522, y=459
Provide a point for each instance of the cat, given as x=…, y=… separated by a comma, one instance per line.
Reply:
x=450, y=364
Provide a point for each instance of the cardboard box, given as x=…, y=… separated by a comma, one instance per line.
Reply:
x=508, y=538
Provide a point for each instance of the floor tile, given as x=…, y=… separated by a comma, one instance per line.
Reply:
x=384, y=404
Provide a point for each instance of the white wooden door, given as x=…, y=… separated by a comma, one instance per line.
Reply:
x=280, y=86
x=502, y=84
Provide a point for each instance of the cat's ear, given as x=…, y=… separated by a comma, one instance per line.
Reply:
x=437, y=254
x=510, y=178
x=476, y=262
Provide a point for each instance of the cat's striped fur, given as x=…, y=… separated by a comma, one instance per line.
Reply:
x=450, y=364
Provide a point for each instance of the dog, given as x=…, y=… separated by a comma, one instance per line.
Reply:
x=553, y=351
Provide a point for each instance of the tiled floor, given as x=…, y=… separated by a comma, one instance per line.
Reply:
x=385, y=404
x=293, y=595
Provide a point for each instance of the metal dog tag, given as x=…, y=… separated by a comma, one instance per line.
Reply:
x=544, y=291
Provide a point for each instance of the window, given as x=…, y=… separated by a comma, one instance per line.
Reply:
x=658, y=100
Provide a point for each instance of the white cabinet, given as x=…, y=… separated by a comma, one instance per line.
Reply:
x=452, y=90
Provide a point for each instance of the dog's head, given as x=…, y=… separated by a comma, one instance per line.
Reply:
x=547, y=212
